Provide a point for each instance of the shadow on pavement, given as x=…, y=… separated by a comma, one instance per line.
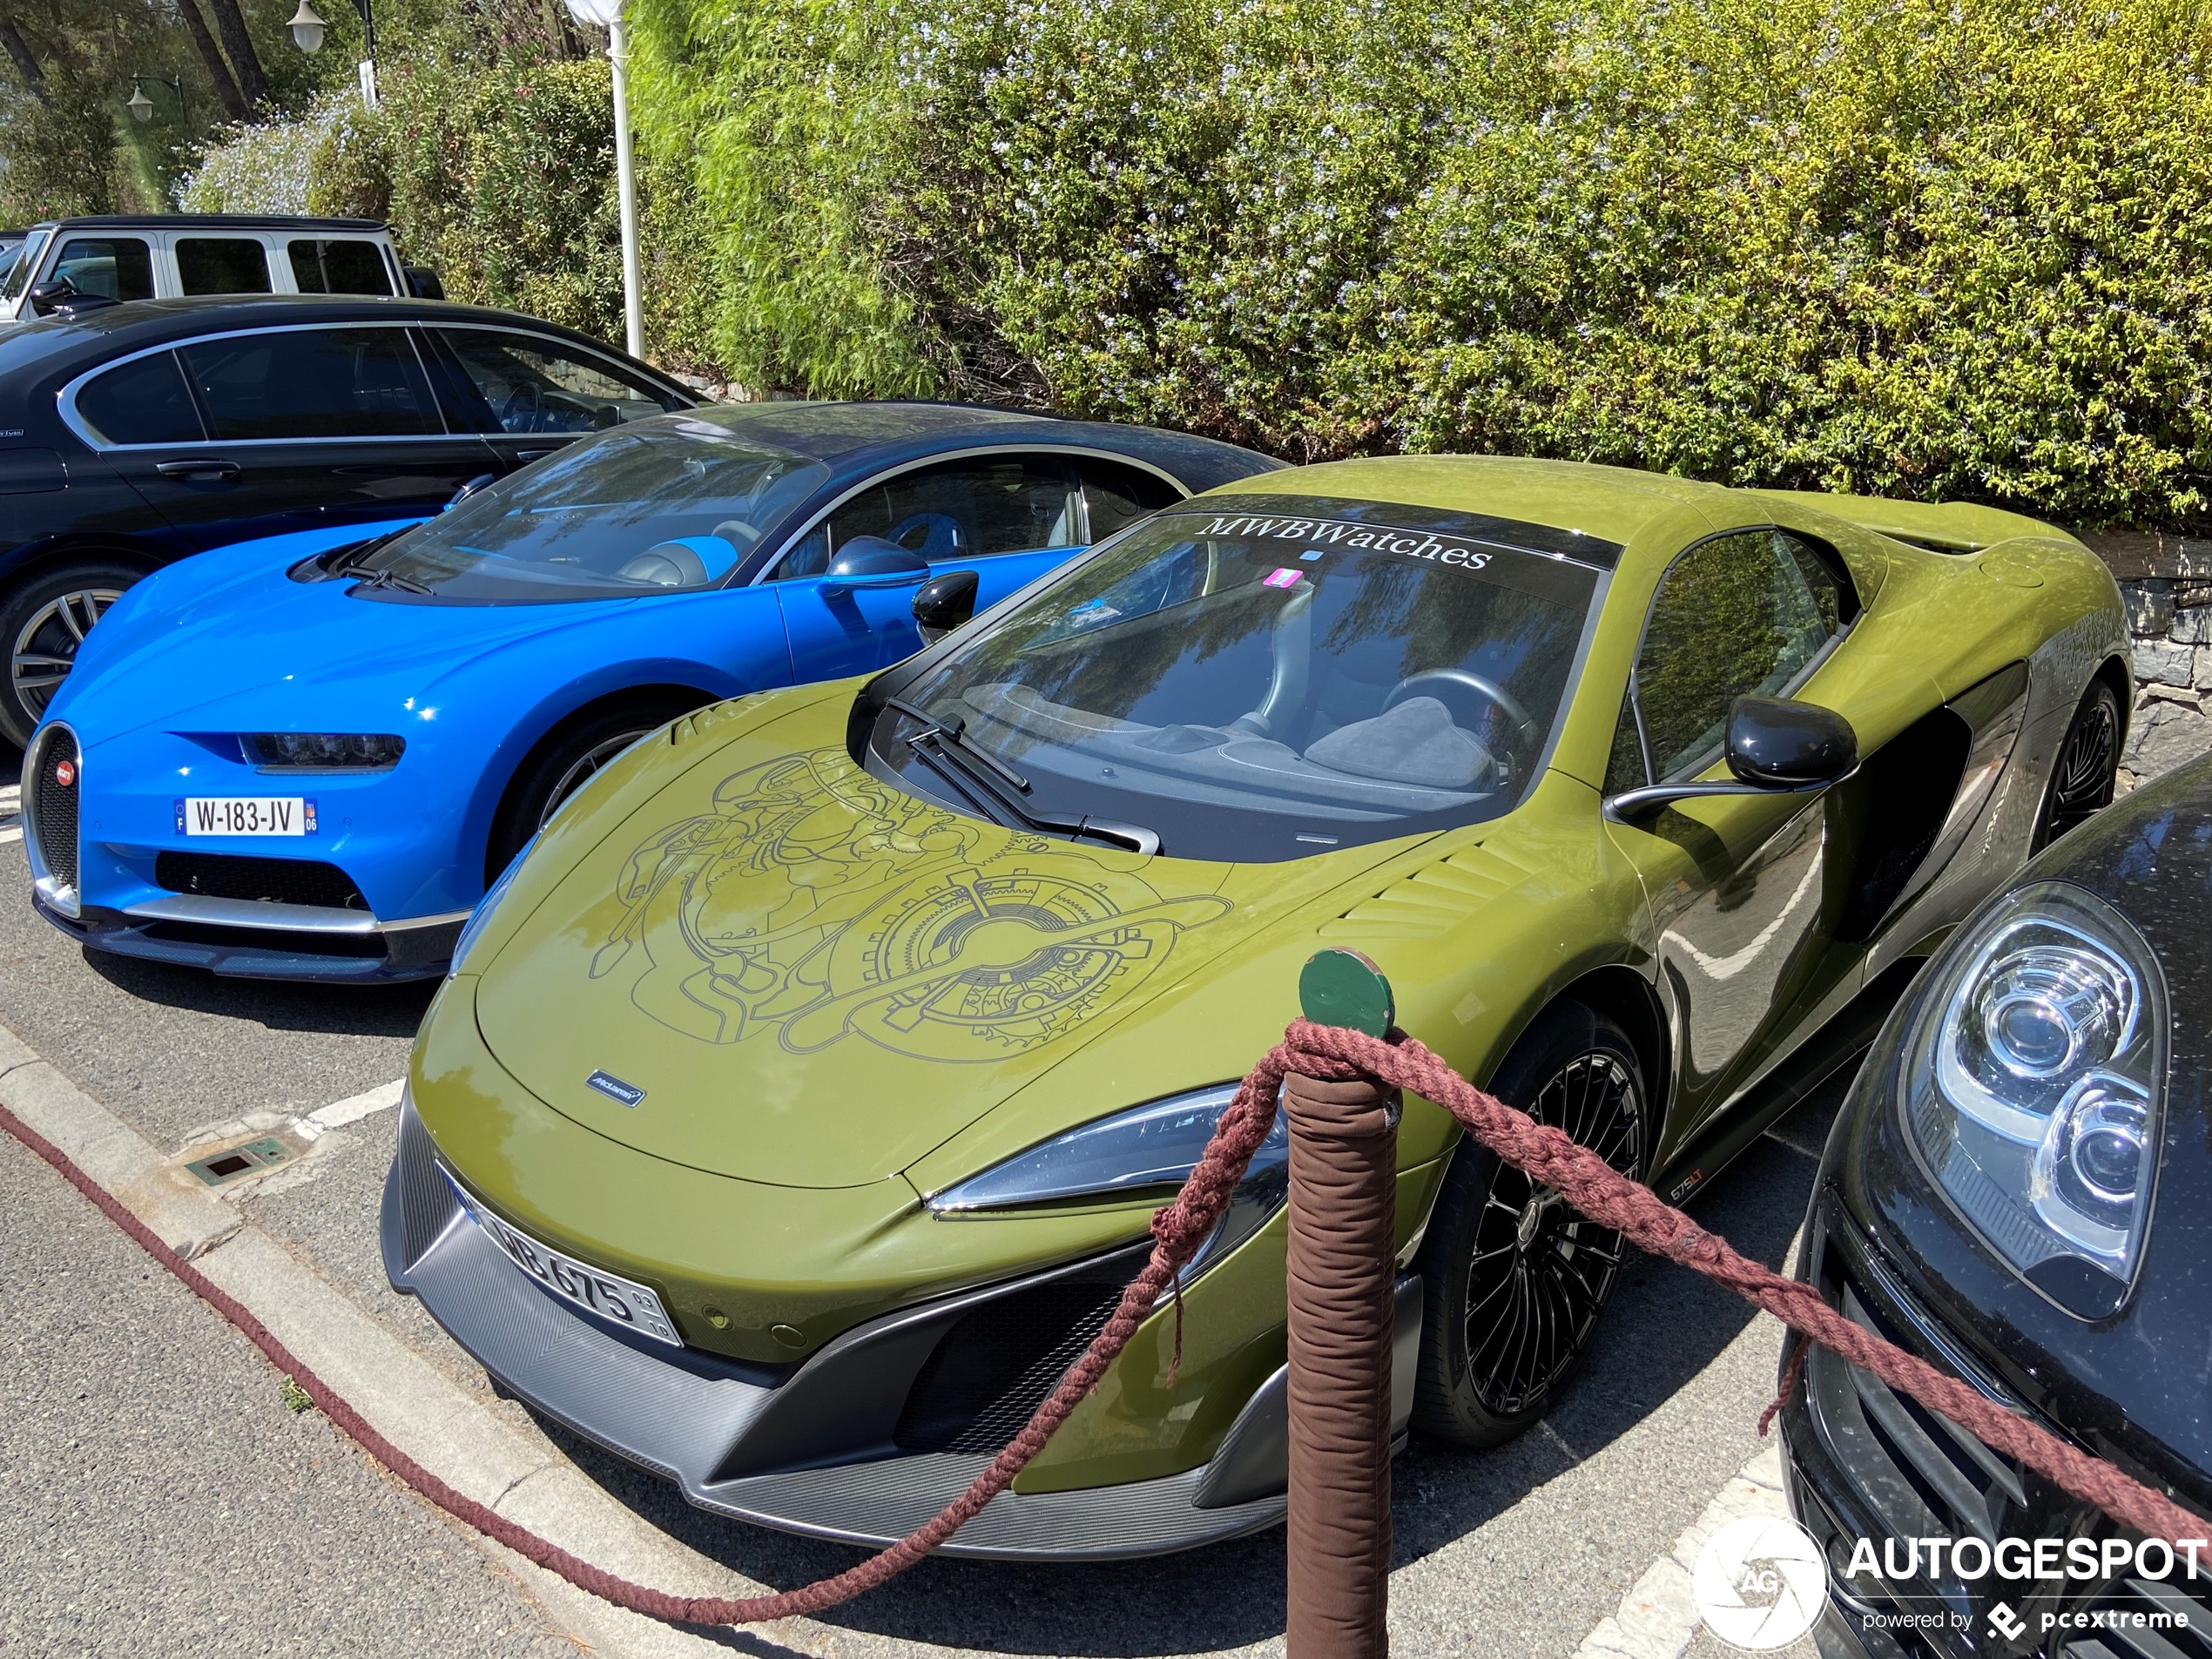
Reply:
x=1666, y=1324
x=342, y=1010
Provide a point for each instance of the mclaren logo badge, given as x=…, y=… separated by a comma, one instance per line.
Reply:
x=615, y=1088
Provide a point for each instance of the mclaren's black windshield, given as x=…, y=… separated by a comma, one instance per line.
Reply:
x=1253, y=688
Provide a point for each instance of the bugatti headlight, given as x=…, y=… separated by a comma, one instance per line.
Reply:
x=472, y=928
x=323, y=751
x=2035, y=1089
x=1146, y=1152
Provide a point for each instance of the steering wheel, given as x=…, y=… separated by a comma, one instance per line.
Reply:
x=522, y=405
x=1465, y=679
x=942, y=534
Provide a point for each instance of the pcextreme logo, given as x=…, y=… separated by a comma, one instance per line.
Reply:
x=1760, y=1583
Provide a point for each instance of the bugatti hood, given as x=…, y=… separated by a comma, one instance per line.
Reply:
x=779, y=967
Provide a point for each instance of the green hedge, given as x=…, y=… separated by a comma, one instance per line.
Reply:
x=1942, y=248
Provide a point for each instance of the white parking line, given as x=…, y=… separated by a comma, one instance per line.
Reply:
x=382, y=1099
x=11, y=813
x=1658, y=1616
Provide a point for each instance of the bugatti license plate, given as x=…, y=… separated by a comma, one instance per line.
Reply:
x=610, y=1297
x=245, y=815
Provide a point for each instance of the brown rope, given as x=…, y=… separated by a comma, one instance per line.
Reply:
x=1330, y=1053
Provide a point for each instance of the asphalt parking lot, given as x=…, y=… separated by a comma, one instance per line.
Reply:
x=157, y=1495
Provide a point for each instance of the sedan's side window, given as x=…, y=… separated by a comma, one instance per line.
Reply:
x=115, y=267
x=505, y=382
x=141, y=401
x=963, y=509
x=312, y=383
x=1744, y=615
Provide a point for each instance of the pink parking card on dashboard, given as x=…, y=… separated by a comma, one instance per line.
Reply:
x=1282, y=578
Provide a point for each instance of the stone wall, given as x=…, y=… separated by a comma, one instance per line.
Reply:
x=2166, y=581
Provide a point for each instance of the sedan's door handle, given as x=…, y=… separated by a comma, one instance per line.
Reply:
x=199, y=466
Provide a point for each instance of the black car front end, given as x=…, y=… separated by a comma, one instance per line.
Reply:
x=2019, y=1189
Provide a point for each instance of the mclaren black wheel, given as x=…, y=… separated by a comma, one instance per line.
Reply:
x=2088, y=761
x=1514, y=1280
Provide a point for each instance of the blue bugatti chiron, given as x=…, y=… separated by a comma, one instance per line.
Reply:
x=306, y=757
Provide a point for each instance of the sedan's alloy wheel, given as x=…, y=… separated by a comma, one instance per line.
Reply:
x=45, y=648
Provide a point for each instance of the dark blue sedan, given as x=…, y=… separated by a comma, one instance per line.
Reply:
x=305, y=757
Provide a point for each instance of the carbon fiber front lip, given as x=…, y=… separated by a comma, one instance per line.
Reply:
x=707, y=1423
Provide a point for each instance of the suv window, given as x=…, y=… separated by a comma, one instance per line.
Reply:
x=222, y=265
x=338, y=264
x=117, y=267
x=959, y=509
x=1747, y=615
x=1118, y=494
x=496, y=382
x=141, y=401
x=312, y=383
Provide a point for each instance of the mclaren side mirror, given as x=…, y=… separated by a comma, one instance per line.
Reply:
x=1775, y=746
x=944, y=603
x=872, y=561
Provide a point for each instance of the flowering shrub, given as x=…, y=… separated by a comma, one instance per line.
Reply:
x=1943, y=248
x=264, y=169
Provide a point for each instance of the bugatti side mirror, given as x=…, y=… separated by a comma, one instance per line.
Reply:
x=872, y=561
x=1775, y=746
x=481, y=481
x=944, y=603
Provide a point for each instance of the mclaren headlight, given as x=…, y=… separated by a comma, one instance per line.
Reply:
x=474, y=925
x=2035, y=1084
x=1146, y=1152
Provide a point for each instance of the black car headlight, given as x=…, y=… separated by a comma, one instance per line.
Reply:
x=1147, y=1152
x=323, y=751
x=2035, y=1084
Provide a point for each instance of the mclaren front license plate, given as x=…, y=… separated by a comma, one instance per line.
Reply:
x=610, y=1297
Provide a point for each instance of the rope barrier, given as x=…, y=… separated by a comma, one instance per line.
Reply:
x=1331, y=1054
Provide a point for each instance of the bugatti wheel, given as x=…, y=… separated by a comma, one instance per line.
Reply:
x=1514, y=1278
x=2088, y=761
x=562, y=764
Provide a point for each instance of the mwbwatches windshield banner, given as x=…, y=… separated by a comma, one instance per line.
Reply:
x=1542, y=560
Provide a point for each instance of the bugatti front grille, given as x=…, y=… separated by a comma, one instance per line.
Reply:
x=996, y=1366
x=223, y=875
x=56, y=789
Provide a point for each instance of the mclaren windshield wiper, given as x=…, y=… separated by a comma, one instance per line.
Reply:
x=955, y=732
x=943, y=746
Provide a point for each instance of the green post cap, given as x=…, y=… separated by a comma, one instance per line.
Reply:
x=1343, y=987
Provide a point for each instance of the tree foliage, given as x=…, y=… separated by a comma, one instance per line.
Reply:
x=1941, y=248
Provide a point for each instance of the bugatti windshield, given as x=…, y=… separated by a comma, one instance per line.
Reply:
x=1248, y=693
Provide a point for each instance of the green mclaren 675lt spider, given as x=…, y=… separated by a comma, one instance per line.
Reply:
x=799, y=1097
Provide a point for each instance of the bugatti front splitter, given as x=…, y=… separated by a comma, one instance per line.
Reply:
x=814, y=1448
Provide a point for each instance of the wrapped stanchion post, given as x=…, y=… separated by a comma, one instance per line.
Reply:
x=1343, y=1238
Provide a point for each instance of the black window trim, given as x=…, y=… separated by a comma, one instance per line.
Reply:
x=764, y=574
x=84, y=431
x=1830, y=560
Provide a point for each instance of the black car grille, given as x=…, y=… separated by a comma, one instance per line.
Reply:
x=52, y=819
x=2176, y=1621
x=996, y=1365
x=224, y=875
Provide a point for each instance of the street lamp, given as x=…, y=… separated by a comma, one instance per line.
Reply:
x=141, y=106
x=607, y=15
x=307, y=29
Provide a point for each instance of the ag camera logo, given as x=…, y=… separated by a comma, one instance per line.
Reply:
x=1760, y=1582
